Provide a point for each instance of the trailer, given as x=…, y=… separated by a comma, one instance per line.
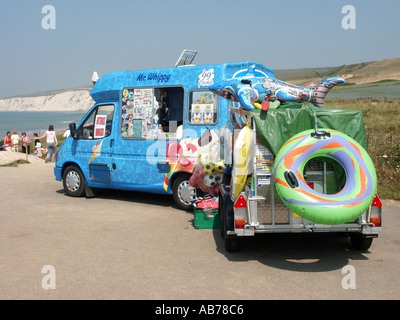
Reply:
x=258, y=207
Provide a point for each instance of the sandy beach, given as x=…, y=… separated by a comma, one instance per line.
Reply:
x=7, y=157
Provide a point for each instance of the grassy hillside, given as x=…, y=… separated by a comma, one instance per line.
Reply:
x=381, y=120
x=359, y=73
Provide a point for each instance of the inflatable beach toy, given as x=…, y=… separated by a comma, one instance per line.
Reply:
x=252, y=90
x=242, y=160
x=344, y=206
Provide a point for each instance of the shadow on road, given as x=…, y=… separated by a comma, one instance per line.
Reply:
x=164, y=200
x=301, y=252
x=295, y=252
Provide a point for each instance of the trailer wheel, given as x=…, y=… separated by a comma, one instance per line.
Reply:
x=74, y=182
x=222, y=216
x=183, y=192
x=231, y=244
x=360, y=242
x=225, y=207
x=226, y=212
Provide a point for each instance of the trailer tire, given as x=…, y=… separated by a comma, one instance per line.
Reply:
x=231, y=244
x=225, y=207
x=222, y=215
x=182, y=192
x=361, y=242
x=74, y=181
x=226, y=213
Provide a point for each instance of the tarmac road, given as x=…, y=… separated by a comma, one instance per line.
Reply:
x=136, y=246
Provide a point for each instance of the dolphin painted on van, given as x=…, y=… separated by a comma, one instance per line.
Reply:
x=251, y=91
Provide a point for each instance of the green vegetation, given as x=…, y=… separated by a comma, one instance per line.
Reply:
x=381, y=120
x=15, y=163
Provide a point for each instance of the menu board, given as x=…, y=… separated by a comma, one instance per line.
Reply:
x=137, y=112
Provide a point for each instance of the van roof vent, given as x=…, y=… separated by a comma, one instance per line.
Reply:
x=186, y=58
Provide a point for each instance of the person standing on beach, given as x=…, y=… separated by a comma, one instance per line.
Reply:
x=7, y=141
x=25, y=143
x=51, y=143
x=15, y=141
x=38, y=145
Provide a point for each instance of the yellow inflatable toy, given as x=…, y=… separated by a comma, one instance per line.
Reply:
x=242, y=161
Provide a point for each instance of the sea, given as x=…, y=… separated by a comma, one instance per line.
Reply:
x=391, y=91
x=39, y=121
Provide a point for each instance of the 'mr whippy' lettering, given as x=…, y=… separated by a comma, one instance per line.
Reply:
x=158, y=77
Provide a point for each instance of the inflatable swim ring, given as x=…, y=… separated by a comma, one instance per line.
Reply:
x=242, y=160
x=344, y=206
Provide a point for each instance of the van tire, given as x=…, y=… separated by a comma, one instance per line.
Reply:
x=74, y=182
x=182, y=192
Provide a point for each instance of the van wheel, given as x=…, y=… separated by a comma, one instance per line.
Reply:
x=74, y=182
x=183, y=193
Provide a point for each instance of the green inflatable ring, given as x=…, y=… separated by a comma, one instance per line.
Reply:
x=344, y=206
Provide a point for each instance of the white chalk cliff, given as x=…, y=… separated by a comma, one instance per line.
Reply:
x=70, y=100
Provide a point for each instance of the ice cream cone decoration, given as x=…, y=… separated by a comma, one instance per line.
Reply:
x=95, y=77
x=96, y=150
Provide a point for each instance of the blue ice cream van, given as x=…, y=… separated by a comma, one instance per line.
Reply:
x=147, y=129
x=233, y=131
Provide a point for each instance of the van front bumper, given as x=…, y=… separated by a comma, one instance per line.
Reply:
x=58, y=173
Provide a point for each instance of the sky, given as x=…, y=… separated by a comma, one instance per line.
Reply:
x=58, y=44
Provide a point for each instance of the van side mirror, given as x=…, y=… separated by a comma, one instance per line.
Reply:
x=72, y=129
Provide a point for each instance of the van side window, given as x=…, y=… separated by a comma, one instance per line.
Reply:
x=98, y=124
x=203, y=108
x=174, y=101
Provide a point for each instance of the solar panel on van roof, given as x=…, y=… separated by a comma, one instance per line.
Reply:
x=186, y=57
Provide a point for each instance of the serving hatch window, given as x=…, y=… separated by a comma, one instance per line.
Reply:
x=203, y=108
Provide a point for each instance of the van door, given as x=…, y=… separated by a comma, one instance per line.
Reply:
x=94, y=143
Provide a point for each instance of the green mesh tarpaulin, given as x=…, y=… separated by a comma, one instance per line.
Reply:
x=276, y=126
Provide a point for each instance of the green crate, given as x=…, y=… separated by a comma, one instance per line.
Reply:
x=206, y=219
